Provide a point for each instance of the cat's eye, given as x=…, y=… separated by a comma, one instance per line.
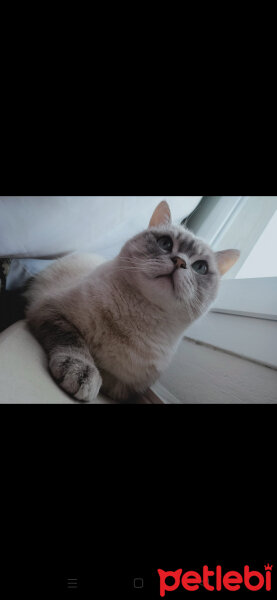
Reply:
x=201, y=267
x=165, y=243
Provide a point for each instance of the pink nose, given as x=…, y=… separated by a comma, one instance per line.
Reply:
x=179, y=262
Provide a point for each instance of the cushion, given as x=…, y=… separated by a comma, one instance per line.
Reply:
x=24, y=376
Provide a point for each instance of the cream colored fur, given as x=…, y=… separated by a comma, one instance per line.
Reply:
x=122, y=322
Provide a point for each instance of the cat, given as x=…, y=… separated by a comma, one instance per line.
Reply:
x=116, y=325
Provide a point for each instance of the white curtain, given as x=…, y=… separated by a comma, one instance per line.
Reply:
x=46, y=226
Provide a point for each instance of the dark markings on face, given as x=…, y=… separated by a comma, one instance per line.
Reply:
x=145, y=246
x=190, y=247
x=183, y=242
x=151, y=244
x=194, y=290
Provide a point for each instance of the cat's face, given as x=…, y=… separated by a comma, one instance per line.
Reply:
x=173, y=268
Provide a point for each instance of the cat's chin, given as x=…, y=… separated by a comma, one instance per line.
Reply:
x=167, y=277
x=179, y=287
x=172, y=281
x=166, y=282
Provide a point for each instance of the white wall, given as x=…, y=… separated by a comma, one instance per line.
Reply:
x=48, y=225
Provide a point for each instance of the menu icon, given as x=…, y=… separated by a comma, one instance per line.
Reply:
x=72, y=584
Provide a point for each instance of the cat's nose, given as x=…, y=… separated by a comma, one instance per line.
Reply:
x=179, y=262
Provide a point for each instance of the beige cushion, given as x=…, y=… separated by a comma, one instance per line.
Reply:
x=24, y=376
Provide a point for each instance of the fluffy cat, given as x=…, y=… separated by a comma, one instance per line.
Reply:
x=116, y=325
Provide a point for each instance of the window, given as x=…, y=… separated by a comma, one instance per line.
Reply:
x=262, y=260
x=243, y=222
x=243, y=319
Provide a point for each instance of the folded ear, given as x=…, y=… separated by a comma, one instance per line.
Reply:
x=226, y=259
x=161, y=216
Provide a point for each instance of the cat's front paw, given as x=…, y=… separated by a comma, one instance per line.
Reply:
x=78, y=376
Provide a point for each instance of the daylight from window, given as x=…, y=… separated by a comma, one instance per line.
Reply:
x=261, y=261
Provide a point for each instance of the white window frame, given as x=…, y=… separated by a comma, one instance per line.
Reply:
x=233, y=222
x=255, y=298
x=243, y=319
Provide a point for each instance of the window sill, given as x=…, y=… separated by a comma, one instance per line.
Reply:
x=247, y=337
x=201, y=374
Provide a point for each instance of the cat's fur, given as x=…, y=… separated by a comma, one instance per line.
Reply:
x=116, y=325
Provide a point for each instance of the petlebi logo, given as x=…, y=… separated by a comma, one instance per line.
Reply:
x=216, y=580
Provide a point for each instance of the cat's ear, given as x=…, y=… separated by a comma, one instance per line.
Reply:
x=161, y=215
x=226, y=259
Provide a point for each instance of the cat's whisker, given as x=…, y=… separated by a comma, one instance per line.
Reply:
x=137, y=259
x=112, y=326
x=137, y=269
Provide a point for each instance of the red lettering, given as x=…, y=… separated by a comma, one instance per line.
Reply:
x=268, y=581
x=231, y=581
x=206, y=575
x=190, y=581
x=218, y=578
x=163, y=576
x=247, y=576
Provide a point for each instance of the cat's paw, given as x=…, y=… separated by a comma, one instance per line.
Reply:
x=78, y=376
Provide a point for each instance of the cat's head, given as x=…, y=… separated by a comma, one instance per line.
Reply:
x=172, y=268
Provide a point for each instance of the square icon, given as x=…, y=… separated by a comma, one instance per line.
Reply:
x=138, y=583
